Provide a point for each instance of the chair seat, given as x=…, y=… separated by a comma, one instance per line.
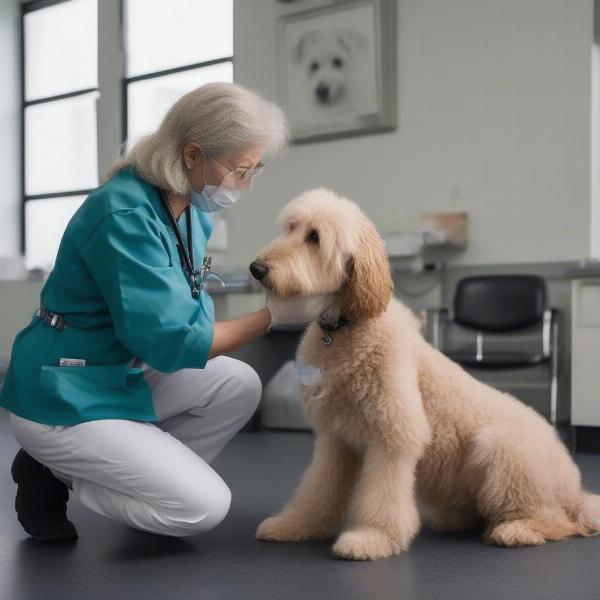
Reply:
x=496, y=359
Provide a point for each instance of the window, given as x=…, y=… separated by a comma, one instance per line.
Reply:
x=59, y=94
x=172, y=47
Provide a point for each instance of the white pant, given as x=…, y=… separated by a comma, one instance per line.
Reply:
x=154, y=476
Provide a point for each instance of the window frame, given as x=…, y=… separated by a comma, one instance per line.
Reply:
x=120, y=104
x=27, y=8
x=125, y=81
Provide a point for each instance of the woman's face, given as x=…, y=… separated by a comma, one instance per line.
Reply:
x=223, y=169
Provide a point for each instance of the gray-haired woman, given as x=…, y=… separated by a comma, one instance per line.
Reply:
x=118, y=388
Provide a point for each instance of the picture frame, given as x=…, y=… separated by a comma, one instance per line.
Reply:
x=337, y=69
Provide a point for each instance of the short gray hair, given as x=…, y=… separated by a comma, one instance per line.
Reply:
x=221, y=118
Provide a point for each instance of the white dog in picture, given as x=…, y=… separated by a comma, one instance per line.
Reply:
x=334, y=81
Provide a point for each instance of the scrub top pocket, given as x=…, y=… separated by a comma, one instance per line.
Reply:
x=93, y=392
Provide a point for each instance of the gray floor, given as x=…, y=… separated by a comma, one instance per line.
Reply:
x=112, y=561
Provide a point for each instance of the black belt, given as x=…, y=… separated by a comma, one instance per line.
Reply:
x=51, y=318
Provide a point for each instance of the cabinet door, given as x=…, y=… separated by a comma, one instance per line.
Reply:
x=585, y=353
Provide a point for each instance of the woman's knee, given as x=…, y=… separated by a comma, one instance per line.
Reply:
x=214, y=510
x=201, y=509
x=246, y=386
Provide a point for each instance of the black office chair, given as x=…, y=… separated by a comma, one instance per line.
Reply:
x=502, y=304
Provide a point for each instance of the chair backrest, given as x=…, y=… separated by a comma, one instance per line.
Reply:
x=499, y=303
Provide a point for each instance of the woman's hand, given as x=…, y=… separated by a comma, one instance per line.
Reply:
x=297, y=309
x=230, y=335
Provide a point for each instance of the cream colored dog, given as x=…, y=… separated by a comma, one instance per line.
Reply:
x=397, y=424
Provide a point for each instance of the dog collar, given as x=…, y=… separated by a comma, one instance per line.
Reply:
x=328, y=327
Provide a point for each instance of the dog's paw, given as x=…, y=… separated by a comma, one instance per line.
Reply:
x=512, y=534
x=281, y=529
x=365, y=544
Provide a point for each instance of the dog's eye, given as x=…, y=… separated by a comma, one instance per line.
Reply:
x=313, y=236
x=337, y=62
x=314, y=67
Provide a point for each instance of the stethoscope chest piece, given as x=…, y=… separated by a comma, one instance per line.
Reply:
x=187, y=254
x=197, y=278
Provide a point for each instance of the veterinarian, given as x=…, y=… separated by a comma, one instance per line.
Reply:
x=118, y=388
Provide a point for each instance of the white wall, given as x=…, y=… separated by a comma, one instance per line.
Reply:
x=494, y=107
x=10, y=98
x=494, y=111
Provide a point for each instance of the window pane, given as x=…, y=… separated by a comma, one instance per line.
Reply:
x=61, y=49
x=149, y=100
x=172, y=33
x=45, y=222
x=60, y=145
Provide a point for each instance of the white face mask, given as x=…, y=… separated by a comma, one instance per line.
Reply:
x=213, y=198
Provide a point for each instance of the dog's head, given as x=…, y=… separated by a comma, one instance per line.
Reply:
x=327, y=245
x=326, y=59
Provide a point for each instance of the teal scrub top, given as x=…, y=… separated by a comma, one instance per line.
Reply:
x=119, y=285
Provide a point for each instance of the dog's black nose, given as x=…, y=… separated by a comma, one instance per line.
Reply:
x=322, y=92
x=258, y=269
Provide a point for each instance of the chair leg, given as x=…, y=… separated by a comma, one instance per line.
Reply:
x=573, y=439
x=554, y=377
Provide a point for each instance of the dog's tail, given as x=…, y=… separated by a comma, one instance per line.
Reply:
x=589, y=514
x=560, y=528
x=583, y=520
x=586, y=522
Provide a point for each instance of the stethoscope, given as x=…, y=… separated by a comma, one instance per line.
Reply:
x=186, y=255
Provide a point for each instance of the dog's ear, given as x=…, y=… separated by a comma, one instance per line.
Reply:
x=306, y=40
x=369, y=286
x=352, y=41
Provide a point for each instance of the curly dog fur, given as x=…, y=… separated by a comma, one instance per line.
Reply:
x=402, y=432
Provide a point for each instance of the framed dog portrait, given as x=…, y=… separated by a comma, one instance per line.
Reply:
x=337, y=71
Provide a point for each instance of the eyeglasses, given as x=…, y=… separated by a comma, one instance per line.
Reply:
x=240, y=174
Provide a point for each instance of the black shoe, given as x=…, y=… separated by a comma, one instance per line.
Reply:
x=41, y=501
